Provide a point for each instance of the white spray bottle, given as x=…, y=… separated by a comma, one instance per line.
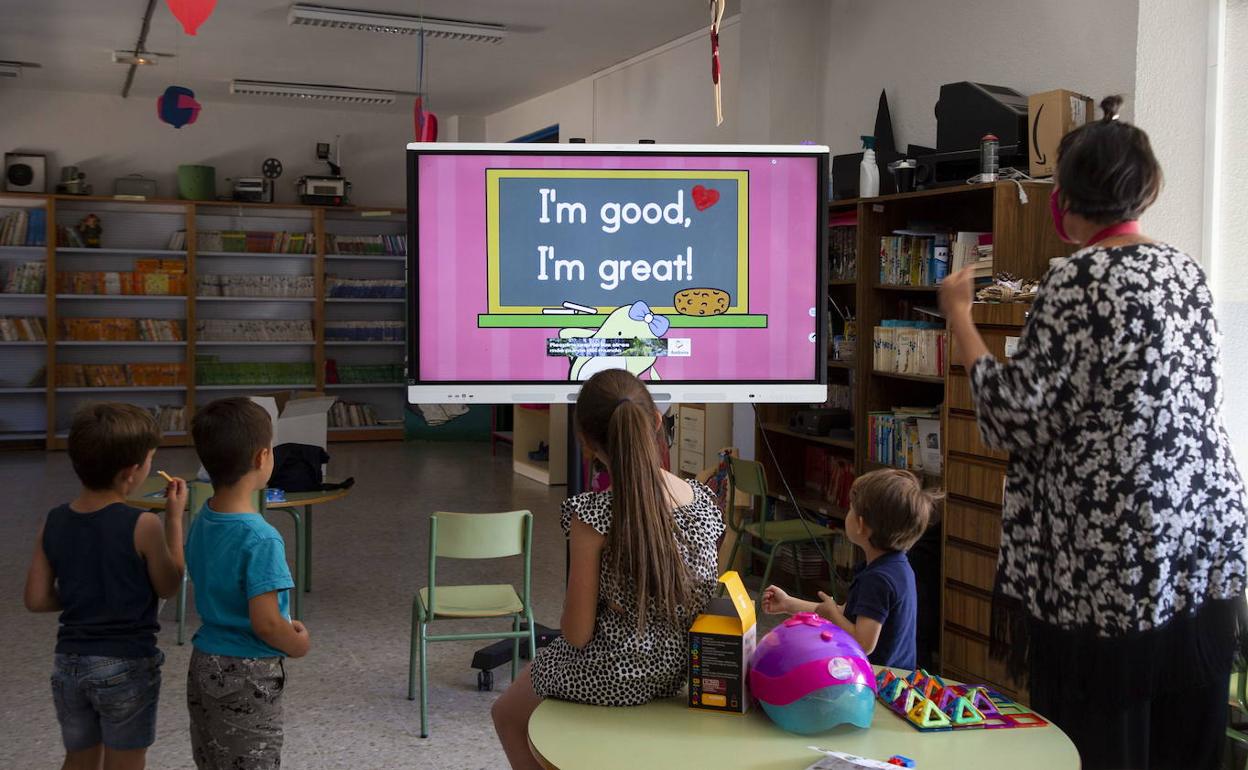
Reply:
x=868, y=171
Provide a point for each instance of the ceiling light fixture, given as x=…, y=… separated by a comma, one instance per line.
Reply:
x=316, y=92
x=396, y=24
x=10, y=69
x=139, y=58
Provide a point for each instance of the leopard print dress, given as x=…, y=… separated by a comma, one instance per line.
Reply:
x=622, y=666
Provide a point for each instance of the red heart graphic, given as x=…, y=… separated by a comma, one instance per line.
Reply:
x=704, y=197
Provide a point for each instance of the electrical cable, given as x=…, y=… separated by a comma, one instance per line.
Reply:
x=806, y=523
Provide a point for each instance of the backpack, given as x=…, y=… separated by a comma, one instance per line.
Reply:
x=297, y=468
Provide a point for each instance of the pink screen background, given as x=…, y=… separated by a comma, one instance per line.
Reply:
x=783, y=254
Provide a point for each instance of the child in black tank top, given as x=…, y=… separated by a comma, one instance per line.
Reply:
x=103, y=564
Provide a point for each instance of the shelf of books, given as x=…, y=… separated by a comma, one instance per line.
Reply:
x=24, y=312
x=170, y=304
x=366, y=322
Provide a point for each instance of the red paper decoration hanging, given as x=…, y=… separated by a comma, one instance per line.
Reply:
x=425, y=123
x=191, y=13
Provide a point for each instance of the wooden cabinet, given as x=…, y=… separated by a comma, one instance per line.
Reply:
x=701, y=431
x=975, y=483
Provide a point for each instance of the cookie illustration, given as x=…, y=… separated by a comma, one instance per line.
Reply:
x=701, y=302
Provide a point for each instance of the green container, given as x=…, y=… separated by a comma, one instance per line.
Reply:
x=197, y=183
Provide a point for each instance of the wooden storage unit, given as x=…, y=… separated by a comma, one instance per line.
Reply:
x=701, y=431
x=533, y=426
x=972, y=529
x=141, y=230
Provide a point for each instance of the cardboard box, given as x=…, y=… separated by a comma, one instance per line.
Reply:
x=721, y=643
x=300, y=417
x=1050, y=116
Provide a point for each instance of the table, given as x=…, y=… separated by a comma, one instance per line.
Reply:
x=293, y=502
x=668, y=734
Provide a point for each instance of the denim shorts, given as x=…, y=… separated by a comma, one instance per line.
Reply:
x=102, y=699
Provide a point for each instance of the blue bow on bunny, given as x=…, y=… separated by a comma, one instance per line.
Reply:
x=658, y=324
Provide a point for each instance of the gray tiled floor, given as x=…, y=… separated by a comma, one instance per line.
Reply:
x=346, y=705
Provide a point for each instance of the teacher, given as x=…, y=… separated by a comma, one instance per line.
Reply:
x=1122, y=567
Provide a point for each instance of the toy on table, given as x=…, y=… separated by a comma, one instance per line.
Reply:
x=810, y=676
x=929, y=704
x=272, y=495
x=901, y=761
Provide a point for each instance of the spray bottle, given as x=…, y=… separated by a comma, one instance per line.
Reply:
x=868, y=171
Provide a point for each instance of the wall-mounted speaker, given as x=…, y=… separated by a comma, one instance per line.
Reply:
x=25, y=173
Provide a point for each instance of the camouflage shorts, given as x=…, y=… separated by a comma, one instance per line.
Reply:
x=236, y=711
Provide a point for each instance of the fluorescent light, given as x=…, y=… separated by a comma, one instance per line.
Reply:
x=315, y=92
x=395, y=24
x=10, y=69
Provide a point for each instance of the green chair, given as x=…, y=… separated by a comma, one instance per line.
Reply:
x=471, y=536
x=766, y=536
x=197, y=493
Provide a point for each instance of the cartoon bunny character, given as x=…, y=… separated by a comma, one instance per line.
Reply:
x=631, y=322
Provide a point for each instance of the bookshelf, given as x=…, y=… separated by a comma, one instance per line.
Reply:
x=35, y=408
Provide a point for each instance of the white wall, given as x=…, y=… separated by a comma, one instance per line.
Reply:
x=664, y=94
x=1230, y=260
x=107, y=137
x=1171, y=99
x=910, y=49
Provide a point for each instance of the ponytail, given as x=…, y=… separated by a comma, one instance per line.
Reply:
x=616, y=413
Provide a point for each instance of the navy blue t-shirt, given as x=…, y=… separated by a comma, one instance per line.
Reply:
x=884, y=590
x=108, y=605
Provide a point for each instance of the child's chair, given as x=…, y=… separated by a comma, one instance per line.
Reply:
x=471, y=536
x=748, y=476
x=197, y=493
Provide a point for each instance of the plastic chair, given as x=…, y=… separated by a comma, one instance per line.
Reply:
x=471, y=536
x=748, y=476
x=197, y=493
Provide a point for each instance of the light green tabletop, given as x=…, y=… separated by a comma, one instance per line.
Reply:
x=668, y=734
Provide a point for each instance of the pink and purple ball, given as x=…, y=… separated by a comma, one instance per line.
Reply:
x=810, y=676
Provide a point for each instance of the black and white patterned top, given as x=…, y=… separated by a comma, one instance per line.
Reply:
x=1124, y=506
x=622, y=666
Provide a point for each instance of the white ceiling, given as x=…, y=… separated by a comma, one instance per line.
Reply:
x=550, y=43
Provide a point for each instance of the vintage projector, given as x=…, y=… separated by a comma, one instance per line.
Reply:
x=323, y=190
x=253, y=189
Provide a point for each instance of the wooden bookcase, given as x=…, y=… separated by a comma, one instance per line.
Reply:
x=1023, y=244
x=38, y=415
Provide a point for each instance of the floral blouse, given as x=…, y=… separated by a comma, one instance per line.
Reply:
x=1124, y=506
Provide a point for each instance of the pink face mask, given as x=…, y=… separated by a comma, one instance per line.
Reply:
x=1055, y=209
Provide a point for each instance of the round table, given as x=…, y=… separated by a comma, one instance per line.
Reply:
x=669, y=734
x=143, y=498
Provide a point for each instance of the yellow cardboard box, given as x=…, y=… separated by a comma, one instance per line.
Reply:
x=721, y=643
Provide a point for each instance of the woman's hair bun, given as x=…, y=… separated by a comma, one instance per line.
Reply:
x=1109, y=107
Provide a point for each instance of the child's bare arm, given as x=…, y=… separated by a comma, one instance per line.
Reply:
x=163, y=546
x=580, y=606
x=777, y=602
x=40, y=593
x=289, y=636
x=866, y=631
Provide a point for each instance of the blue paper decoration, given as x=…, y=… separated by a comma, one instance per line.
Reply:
x=177, y=106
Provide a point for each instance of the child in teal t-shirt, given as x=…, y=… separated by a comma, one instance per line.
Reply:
x=237, y=562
